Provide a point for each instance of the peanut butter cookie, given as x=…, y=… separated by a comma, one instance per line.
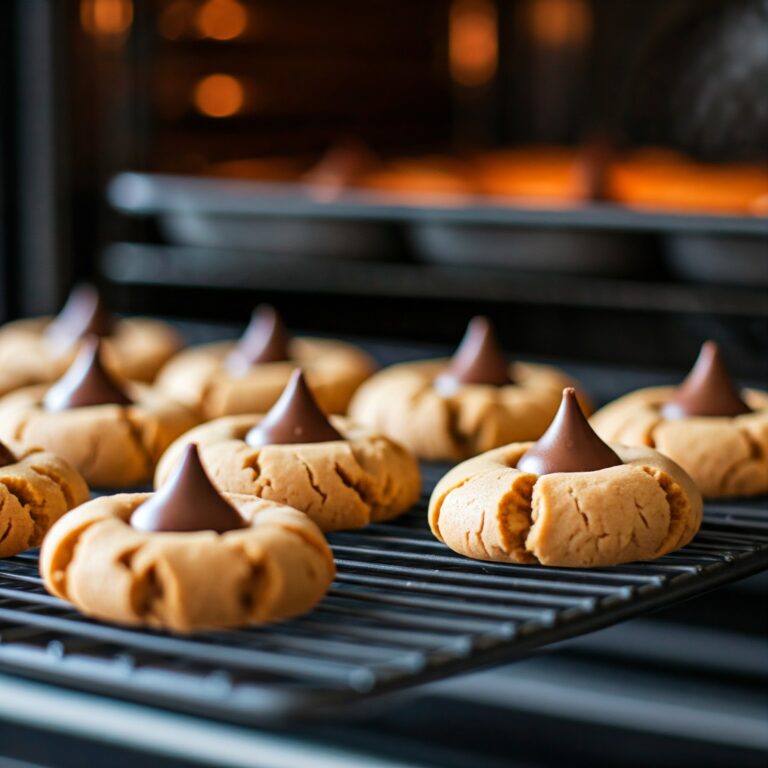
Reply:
x=716, y=434
x=36, y=489
x=187, y=558
x=342, y=475
x=39, y=350
x=112, y=433
x=449, y=410
x=248, y=376
x=569, y=500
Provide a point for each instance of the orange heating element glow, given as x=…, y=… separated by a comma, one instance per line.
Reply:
x=555, y=23
x=219, y=96
x=221, y=19
x=106, y=18
x=473, y=41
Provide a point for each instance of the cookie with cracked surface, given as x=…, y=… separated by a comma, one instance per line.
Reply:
x=38, y=350
x=36, y=489
x=449, y=410
x=112, y=432
x=248, y=376
x=341, y=474
x=571, y=502
x=718, y=435
x=148, y=559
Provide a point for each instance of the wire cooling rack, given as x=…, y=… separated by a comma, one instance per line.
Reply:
x=404, y=610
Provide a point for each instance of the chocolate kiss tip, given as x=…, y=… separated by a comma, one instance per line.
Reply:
x=478, y=359
x=187, y=502
x=85, y=383
x=6, y=455
x=265, y=340
x=708, y=390
x=294, y=418
x=84, y=314
x=569, y=444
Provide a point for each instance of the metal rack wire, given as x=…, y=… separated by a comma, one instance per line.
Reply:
x=403, y=610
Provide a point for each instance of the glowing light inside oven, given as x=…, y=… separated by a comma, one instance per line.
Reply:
x=218, y=96
x=221, y=19
x=557, y=23
x=473, y=41
x=110, y=19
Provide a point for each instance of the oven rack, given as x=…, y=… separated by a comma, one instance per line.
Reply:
x=404, y=610
x=149, y=194
x=127, y=263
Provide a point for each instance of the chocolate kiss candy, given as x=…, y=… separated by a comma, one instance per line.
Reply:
x=707, y=390
x=187, y=502
x=478, y=360
x=265, y=340
x=84, y=314
x=568, y=445
x=294, y=418
x=6, y=455
x=85, y=383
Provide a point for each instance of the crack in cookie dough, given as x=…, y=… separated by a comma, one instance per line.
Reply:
x=311, y=479
x=575, y=501
x=356, y=488
x=260, y=483
x=149, y=453
x=8, y=528
x=61, y=482
x=640, y=509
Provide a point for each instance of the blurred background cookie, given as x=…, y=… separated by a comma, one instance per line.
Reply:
x=248, y=376
x=717, y=433
x=445, y=410
x=112, y=431
x=40, y=349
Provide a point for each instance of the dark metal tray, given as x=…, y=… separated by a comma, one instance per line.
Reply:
x=146, y=193
x=404, y=610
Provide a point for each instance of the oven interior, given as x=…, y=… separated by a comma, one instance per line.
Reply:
x=143, y=144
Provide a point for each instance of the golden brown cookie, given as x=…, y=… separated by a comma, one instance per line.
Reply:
x=113, y=434
x=228, y=378
x=36, y=489
x=39, y=350
x=718, y=435
x=725, y=456
x=344, y=477
x=639, y=506
x=488, y=403
x=128, y=559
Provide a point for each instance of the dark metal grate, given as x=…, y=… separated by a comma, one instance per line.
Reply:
x=404, y=610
